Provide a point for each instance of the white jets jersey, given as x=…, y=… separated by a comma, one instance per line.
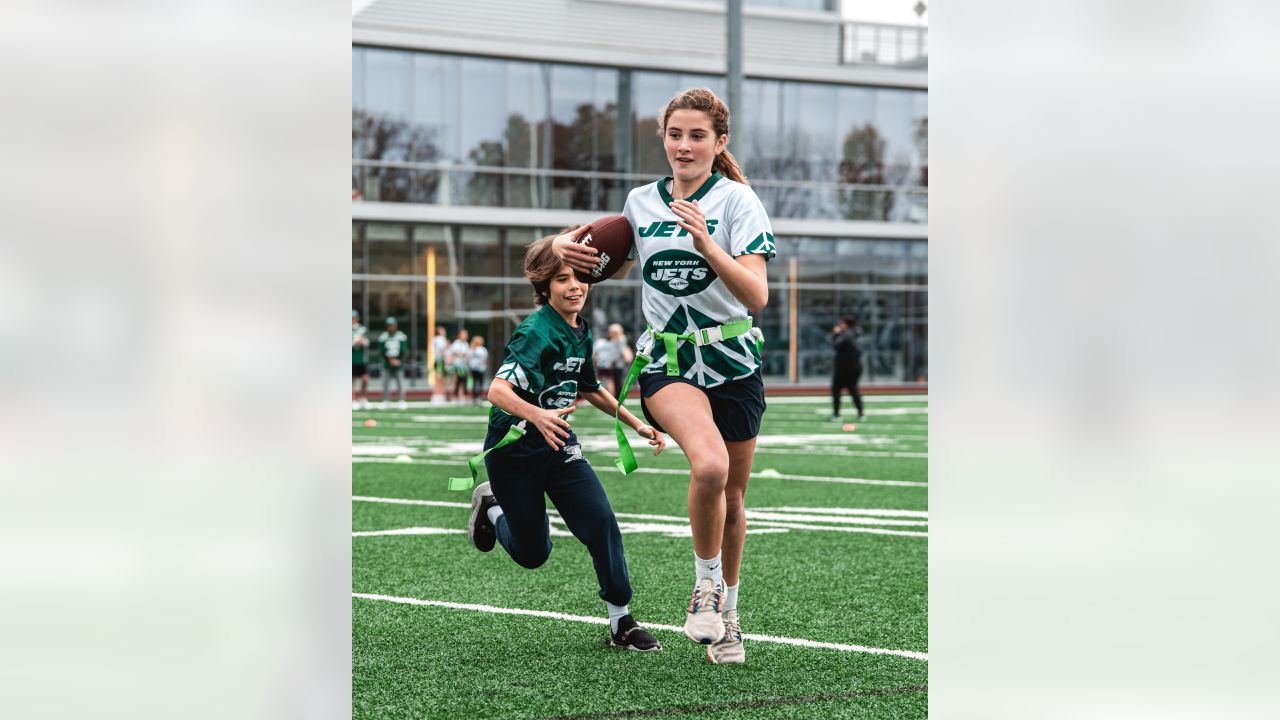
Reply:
x=682, y=293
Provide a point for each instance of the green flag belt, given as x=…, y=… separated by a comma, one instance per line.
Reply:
x=514, y=433
x=626, y=461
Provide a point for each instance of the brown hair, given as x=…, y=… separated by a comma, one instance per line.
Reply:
x=541, y=264
x=706, y=101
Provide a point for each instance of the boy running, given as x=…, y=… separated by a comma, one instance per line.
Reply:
x=546, y=366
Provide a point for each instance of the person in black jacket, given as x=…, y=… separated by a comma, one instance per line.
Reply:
x=846, y=338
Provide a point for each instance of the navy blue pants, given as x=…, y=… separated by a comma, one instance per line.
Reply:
x=521, y=473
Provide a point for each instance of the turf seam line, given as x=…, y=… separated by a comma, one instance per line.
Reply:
x=745, y=705
x=550, y=614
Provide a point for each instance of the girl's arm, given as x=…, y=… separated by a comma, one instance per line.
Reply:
x=549, y=422
x=744, y=275
x=605, y=402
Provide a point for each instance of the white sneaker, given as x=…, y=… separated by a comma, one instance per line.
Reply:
x=728, y=650
x=355, y=405
x=702, y=622
x=403, y=405
x=364, y=403
x=382, y=405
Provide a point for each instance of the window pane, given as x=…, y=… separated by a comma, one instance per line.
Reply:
x=481, y=253
x=388, y=249
x=427, y=238
x=386, y=111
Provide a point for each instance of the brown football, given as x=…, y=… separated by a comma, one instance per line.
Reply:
x=611, y=236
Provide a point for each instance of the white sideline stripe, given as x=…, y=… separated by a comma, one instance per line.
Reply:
x=550, y=615
x=837, y=528
x=848, y=481
x=685, y=473
x=409, y=531
x=402, y=501
x=849, y=511
x=844, y=453
x=775, y=520
x=833, y=519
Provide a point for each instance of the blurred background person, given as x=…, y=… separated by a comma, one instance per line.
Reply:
x=477, y=366
x=612, y=356
x=394, y=345
x=359, y=364
x=846, y=339
x=456, y=361
x=439, y=348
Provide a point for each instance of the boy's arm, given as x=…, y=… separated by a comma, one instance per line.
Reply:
x=554, y=428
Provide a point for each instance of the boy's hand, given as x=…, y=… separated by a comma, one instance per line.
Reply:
x=554, y=428
x=576, y=256
x=654, y=437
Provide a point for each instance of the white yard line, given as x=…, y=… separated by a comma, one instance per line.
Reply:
x=759, y=521
x=844, y=453
x=550, y=615
x=402, y=501
x=766, y=474
x=410, y=531
x=849, y=511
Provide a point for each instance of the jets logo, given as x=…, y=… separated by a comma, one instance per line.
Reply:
x=570, y=365
x=668, y=228
x=559, y=396
x=678, y=273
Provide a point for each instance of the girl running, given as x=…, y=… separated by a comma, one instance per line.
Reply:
x=702, y=240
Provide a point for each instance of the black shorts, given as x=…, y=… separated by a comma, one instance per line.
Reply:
x=736, y=406
x=359, y=370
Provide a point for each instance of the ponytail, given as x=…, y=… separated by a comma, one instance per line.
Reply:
x=727, y=165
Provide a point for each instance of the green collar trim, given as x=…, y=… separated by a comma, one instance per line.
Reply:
x=698, y=195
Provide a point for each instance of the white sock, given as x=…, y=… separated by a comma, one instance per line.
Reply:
x=730, y=598
x=615, y=614
x=711, y=568
x=494, y=513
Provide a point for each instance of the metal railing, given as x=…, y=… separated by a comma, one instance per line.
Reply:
x=448, y=183
x=890, y=45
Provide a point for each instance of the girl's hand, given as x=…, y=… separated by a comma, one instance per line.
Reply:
x=691, y=219
x=654, y=437
x=576, y=256
x=551, y=423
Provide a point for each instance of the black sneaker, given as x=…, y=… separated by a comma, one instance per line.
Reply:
x=482, y=533
x=633, y=637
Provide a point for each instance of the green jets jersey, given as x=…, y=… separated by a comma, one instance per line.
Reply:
x=357, y=351
x=682, y=293
x=547, y=363
x=393, y=345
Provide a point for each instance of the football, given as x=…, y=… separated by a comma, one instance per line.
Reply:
x=611, y=236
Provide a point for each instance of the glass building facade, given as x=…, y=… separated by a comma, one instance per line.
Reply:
x=452, y=130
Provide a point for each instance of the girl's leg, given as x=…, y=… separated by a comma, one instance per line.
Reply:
x=735, y=520
x=684, y=412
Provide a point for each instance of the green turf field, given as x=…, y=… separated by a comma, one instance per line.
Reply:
x=834, y=576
